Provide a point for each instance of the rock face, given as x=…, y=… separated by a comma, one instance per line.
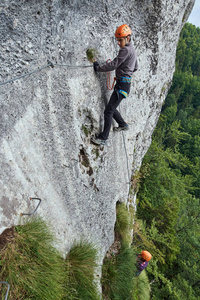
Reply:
x=47, y=118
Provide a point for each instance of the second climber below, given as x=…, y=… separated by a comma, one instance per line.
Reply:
x=125, y=64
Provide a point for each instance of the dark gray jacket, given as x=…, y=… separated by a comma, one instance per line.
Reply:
x=125, y=63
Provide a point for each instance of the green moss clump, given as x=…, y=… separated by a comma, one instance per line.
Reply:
x=91, y=54
x=85, y=130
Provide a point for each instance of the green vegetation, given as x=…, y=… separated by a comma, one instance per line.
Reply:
x=81, y=263
x=121, y=282
x=91, y=54
x=141, y=287
x=35, y=270
x=119, y=269
x=169, y=194
x=95, y=151
x=30, y=264
x=135, y=182
x=124, y=224
x=85, y=130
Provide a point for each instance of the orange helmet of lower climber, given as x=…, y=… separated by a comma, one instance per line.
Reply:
x=122, y=31
x=146, y=255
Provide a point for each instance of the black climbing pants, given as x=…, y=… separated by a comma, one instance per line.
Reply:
x=111, y=109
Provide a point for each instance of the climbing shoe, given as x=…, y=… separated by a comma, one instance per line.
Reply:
x=121, y=128
x=98, y=141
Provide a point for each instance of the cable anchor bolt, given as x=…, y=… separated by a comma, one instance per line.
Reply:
x=50, y=63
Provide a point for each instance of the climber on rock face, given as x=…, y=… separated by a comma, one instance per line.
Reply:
x=125, y=64
x=142, y=261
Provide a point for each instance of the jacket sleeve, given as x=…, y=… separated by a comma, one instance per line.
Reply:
x=115, y=63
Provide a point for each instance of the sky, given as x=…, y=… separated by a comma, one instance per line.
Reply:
x=194, y=17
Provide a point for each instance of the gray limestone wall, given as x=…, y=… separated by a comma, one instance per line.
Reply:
x=47, y=118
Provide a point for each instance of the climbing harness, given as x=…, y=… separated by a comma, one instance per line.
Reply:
x=8, y=287
x=108, y=84
x=125, y=79
x=29, y=214
x=122, y=79
x=124, y=93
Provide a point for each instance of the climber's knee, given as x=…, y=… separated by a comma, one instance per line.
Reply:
x=108, y=111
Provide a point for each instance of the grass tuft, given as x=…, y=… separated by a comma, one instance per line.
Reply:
x=124, y=223
x=35, y=270
x=118, y=275
x=81, y=264
x=141, y=287
x=32, y=267
x=119, y=269
x=119, y=266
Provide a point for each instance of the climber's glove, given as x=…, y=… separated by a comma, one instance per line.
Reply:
x=95, y=65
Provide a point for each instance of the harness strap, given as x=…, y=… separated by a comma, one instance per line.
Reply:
x=122, y=79
x=124, y=93
x=125, y=79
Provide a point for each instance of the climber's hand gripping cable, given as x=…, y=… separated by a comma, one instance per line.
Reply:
x=95, y=65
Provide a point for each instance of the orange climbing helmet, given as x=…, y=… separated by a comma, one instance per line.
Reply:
x=146, y=255
x=122, y=31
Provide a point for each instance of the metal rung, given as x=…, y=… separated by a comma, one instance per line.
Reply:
x=29, y=214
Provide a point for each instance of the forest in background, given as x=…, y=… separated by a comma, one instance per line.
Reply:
x=168, y=212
